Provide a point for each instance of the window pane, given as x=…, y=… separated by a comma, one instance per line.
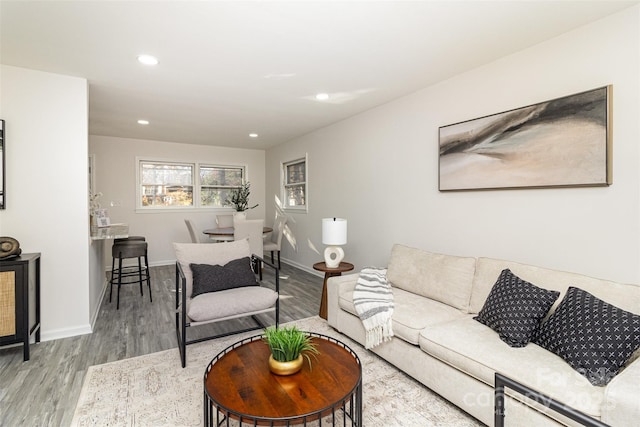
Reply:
x=295, y=195
x=159, y=174
x=221, y=176
x=165, y=184
x=217, y=182
x=211, y=196
x=167, y=195
x=296, y=173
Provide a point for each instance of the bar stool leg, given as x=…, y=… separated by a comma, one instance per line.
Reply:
x=119, y=282
x=113, y=271
x=140, y=275
x=146, y=263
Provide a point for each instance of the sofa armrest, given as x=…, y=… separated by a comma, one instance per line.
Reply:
x=335, y=286
x=621, y=406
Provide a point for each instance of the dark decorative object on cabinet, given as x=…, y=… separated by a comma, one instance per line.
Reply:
x=9, y=247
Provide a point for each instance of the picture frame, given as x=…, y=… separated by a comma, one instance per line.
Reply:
x=102, y=218
x=564, y=142
x=3, y=175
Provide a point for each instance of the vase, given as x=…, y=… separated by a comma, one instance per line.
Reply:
x=285, y=368
x=240, y=216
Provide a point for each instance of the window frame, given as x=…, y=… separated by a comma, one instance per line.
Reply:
x=283, y=184
x=196, y=194
x=243, y=171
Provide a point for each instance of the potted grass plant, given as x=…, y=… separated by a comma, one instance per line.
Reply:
x=289, y=347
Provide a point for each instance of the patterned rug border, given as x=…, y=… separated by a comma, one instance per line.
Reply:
x=154, y=390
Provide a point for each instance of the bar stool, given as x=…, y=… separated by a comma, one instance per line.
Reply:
x=123, y=240
x=125, y=249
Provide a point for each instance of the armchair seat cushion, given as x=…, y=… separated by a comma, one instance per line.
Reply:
x=234, y=302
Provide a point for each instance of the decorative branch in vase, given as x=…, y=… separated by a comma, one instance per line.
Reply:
x=239, y=198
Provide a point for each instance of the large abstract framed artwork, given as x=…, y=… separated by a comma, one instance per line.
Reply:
x=2, y=166
x=564, y=142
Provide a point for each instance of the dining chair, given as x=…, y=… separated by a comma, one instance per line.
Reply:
x=251, y=229
x=224, y=221
x=274, y=243
x=192, y=231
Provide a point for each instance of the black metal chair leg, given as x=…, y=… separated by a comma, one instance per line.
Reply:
x=140, y=275
x=146, y=263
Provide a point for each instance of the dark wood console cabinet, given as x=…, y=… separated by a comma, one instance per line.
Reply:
x=20, y=300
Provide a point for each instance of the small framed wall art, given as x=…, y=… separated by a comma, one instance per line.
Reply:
x=565, y=142
x=2, y=166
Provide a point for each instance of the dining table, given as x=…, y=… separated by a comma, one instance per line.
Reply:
x=226, y=233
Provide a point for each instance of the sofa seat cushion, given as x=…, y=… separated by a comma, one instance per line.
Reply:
x=230, y=302
x=478, y=351
x=411, y=313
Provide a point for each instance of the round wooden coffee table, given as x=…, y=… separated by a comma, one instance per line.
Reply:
x=239, y=386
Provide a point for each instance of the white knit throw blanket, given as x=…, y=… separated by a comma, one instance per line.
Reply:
x=373, y=300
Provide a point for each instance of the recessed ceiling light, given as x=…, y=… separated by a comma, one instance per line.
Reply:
x=253, y=135
x=147, y=60
x=322, y=96
x=143, y=122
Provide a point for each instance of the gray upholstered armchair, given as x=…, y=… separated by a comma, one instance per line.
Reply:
x=215, y=282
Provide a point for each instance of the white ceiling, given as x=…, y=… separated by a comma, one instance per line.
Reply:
x=229, y=68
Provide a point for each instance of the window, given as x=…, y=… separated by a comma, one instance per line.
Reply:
x=216, y=182
x=166, y=184
x=294, y=191
x=186, y=185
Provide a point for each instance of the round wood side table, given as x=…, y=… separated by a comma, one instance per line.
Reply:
x=329, y=272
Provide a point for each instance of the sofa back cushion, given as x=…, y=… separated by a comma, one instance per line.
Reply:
x=444, y=278
x=208, y=253
x=487, y=271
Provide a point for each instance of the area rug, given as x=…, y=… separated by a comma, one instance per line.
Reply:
x=154, y=390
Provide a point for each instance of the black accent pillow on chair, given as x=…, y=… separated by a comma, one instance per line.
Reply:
x=213, y=278
x=594, y=337
x=515, y=307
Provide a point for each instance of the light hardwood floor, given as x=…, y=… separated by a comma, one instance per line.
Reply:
x=44, y=391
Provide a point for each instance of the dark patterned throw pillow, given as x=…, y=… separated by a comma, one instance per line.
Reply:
x=515, y=307
x=213, y=278
x=594, y=337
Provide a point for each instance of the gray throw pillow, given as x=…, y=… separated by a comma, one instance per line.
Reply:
x=515, y=307
x=213, y=278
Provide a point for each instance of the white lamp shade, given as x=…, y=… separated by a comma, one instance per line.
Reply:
x=334, y=231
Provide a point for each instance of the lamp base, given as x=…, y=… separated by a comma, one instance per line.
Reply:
x=332, y=256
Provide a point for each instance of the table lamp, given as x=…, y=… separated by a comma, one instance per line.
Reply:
x=334, y=233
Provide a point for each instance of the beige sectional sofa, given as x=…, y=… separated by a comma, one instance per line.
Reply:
x=438, y=342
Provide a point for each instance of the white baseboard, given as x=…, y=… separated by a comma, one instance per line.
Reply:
x=97, y=311
x=65, y=333
x=302, y=267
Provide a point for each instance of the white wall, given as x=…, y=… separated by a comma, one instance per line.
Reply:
x=115, y=165
x=380, y=169
x=46, y=118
